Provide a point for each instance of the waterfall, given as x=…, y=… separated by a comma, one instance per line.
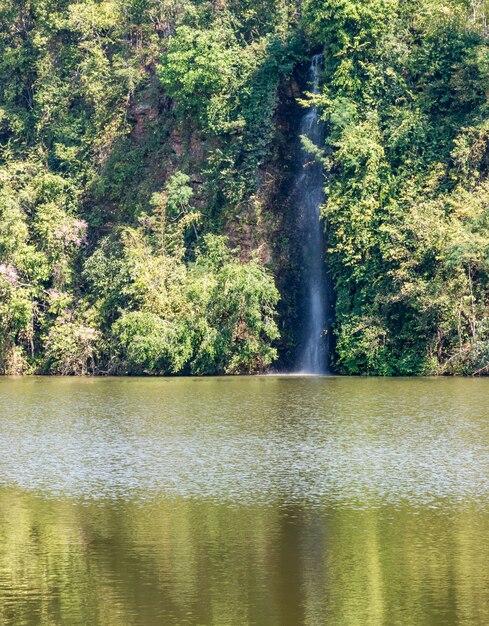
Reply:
x=308, y=196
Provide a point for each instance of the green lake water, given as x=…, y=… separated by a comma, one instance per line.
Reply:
x=235, y=501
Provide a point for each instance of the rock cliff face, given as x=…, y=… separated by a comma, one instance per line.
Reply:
x=263, y=225
x=147, y=152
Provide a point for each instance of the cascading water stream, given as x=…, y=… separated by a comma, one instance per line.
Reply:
x=308, y=198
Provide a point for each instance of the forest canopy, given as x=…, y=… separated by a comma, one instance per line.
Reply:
x=145, y=166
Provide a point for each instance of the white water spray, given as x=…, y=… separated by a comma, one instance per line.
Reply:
x=308, y=198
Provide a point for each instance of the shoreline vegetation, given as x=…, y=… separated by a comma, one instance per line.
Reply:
x=147, y=153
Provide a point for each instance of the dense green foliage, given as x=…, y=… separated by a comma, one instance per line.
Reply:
x=131, y=134
x=138, y=203
x=407, y=211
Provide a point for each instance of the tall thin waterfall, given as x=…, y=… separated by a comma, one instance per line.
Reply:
x=308, y=196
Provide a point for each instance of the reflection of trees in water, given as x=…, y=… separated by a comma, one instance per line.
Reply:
x=182, y=561
x=399, y=566
x=176, y=562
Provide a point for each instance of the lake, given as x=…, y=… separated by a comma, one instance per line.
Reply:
x=235, y=501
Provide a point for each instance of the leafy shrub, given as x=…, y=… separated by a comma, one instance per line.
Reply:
x=71, y=349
